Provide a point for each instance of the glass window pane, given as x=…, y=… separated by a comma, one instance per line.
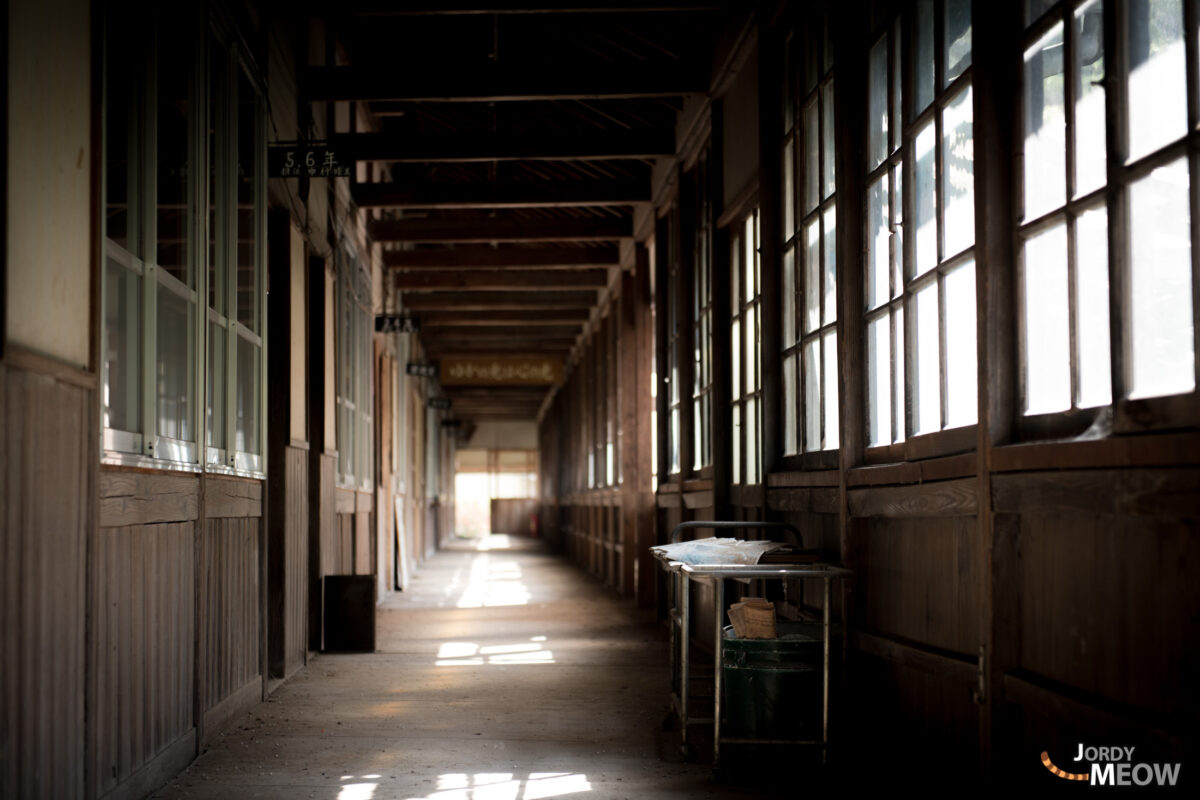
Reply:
x=962, y=405
x=877, y=104
x=789, y=217
x=750, y=259
x=1090, y=156
x=897, y=120
x=923, y=60
x=1091, y=307
x=174, y=83
x=878, y=243
x=675, y=429
x=789, y=298
x=122, y=398
x=247, y=397
x=812, y=395
x=247, y=213
x=1160, y=325
x=897, y=227
x=735, y=270
x=812, y=275
x=925, y=199
x=879, y=381
x=752, y=440
x=829, y=312
x=1045, y=113
x=175, y=370
x=121, y=165
x=828, y=182
x=789, y=406
x=958, y=177
x=738, y=444
x=1157, y=81
x=215, y=391
x=812, y=174
x=956, y=38
x=736, y=349
x=1047, y=335
x=1035, y=8
x=899, y=377
x=928, y=388
x=751, y=345
x=831, y=391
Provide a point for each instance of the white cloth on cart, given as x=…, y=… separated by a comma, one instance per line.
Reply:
x=717, y=551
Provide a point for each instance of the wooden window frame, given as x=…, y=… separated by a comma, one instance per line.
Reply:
x=900, y=159
x=743, y=343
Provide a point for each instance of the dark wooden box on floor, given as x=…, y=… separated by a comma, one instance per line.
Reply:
x=349, y=603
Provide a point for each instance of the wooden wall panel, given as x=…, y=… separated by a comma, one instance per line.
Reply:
x=143, y=646
x=328, y=516
x=229, y=607
x=296, y=520
x=47, y=486
x=363, y=551
x=1110, y=605
x=512, y=515
x=917, y=579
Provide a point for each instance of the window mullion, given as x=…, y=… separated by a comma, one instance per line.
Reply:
x=226, y=188
x=197, y=233
x=148, y=197
x=1118, y=254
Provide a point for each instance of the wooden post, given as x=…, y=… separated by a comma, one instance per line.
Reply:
x=996, y=93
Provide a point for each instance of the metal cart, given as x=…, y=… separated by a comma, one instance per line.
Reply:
x=716, y=574
x=679, y=616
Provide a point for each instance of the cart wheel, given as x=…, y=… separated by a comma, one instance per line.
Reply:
x=689, y=753
x=668, y=722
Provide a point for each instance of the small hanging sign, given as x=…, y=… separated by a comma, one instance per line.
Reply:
x=306, y=159
x=396, y=323
x=439, y=403
x=422, y=370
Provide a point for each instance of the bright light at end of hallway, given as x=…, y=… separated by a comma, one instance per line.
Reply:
x=505, y=786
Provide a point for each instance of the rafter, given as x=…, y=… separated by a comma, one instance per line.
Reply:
x=476, y=228
x=526, y=146
x=508, y=194
x=502, y=279
x=514, y=256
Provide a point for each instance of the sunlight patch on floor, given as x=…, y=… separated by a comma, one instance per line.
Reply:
x=470, y=654
x=506, y=786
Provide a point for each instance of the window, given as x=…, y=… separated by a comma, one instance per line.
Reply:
x=355, y=334
x=667, y=241
x=1078, y=268
x=160, y=356
x=920, y=266
x=702, y=313
x=745, y=337
x=810, y=361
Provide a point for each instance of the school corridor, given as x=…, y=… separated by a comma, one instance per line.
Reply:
x=504, y=674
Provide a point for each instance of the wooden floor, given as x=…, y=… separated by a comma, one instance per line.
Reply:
x=502, y=673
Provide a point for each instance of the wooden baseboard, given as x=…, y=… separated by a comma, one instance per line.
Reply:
x=159, y=771
x=217, y=718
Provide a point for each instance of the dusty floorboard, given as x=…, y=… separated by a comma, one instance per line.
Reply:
x=502, y=674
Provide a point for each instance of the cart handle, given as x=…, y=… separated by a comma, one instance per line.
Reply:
x=728, y=524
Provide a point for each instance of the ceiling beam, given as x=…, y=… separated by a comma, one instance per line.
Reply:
x=502, y=279
x=494, y=332
x=479, y=228
x=484, y=318
x=487, y=256
x=506, y=194
x=525, y=146
x=488, y=301
x=434, y=347
x=384, y=8
x=501, y=83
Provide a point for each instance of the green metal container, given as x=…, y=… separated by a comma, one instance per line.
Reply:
x=772, y=687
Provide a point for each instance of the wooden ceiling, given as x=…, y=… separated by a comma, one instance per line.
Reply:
x=516, y=142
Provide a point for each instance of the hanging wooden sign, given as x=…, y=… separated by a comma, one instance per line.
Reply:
x=396, y=323
x=422, y=370
x=500, y=371
x=307, y=160
x=439, y=403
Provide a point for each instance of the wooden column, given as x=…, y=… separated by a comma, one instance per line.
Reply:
x=770, y=90
x=997, y=85
x=719, y=397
